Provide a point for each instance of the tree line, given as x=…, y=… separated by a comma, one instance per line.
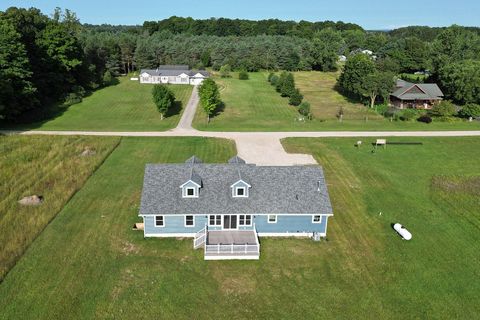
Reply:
x=241, y=28
x=452, y=60
x=46, y=60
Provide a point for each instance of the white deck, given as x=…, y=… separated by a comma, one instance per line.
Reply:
x=231, y=237
x=228, y=245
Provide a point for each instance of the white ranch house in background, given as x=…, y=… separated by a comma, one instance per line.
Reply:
x=226, y=207
x=173, y=74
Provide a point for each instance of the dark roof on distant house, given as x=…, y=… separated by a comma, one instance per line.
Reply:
x=274, y=189
x=405, y=90
x=173, y=71
x=173, y=67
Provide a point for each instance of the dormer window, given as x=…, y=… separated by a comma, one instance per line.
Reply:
x=191, y=188
x=240, y=192
x=240, y=189
x=190, y=192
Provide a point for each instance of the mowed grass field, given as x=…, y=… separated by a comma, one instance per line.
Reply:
x=434, y=191
x=254, y=105
x=88, y=263
x=51, y=167
x=127, y=106
x=249, y=105
x=318, y=88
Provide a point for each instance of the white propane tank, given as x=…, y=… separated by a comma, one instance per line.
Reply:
x=402, y=231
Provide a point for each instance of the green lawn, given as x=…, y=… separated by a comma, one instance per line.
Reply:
x=254, y=105
x=88, y=263
x=127, y=106
x=433, y=190
x=318, y=88
x=249, y=105
x=48, y=166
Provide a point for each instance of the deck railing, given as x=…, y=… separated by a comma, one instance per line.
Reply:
x=234, y=249
x=200, y=238
x=240, y=249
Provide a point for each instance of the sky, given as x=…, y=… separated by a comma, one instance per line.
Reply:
x=371, y=15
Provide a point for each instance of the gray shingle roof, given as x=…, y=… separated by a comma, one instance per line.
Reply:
x=195, y=177
x=275, y=190
x=236, y=160
x=174, y=67
x=427, y=91
x=173, y=72
x=193, y=159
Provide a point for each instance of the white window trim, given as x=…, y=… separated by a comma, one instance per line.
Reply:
x=316, y=215
x=185, y=192
x=268, y=218
x=185, y=221
x=189, y=195
x=215, y=220
x=245, y=192
x=155, y=222
x=245, y=220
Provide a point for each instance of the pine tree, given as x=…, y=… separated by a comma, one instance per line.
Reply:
x=295, y=98
x=288, y=86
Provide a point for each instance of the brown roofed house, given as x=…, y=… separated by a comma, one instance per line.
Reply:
x=415, y=95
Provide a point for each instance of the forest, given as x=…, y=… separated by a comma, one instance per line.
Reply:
x=49, y=59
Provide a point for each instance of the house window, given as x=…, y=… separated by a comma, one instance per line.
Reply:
x=215, y=220
x=245, y=220
x=189, y=221
x=190, y=192
x=159, y=222
x=316, y=219
x=240, y=192
x=272, y=218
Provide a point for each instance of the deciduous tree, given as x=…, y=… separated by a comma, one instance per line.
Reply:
x=356, y=69
x=470, y=110
x=376, y=84
x=443, y=109
x=16, y=88
x=209, y=97
x=225, y=71
x=461, y=81
x=163, y=98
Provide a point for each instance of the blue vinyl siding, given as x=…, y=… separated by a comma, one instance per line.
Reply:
x=290, y=224
x=174, y=224
x=284, y=224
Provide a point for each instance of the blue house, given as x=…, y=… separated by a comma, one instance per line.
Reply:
x=226, y=207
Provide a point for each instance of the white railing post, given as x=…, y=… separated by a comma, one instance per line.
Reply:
x=231, y=249
x=218, y=248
